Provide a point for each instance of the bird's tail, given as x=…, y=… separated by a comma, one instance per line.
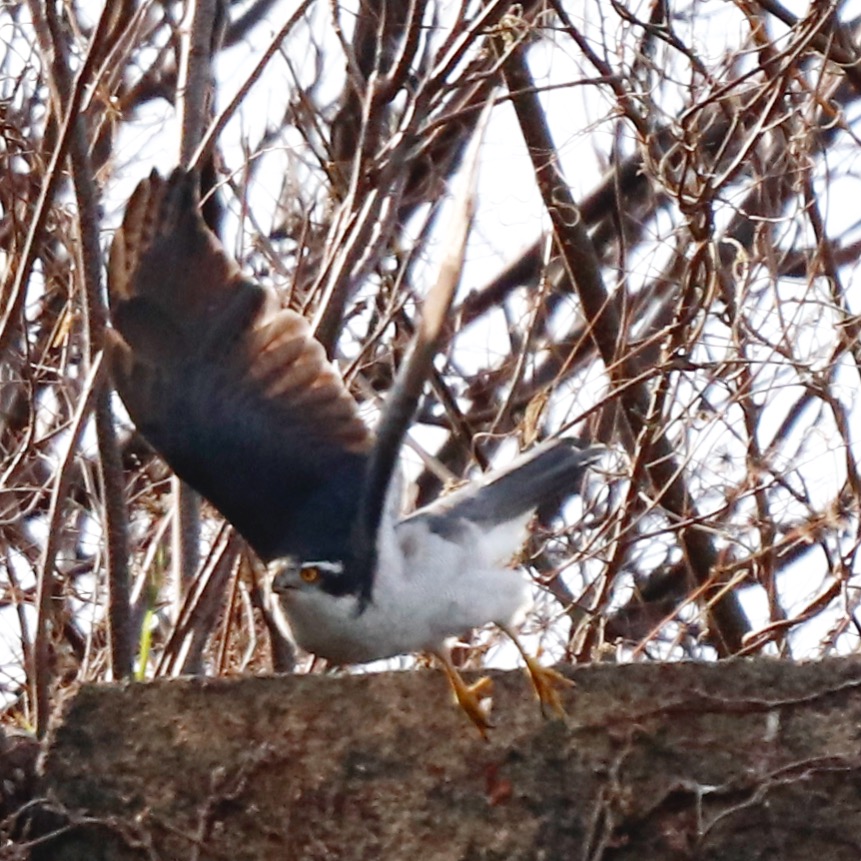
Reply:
x=550, y=471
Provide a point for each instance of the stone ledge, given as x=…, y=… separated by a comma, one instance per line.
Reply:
x=745, y=759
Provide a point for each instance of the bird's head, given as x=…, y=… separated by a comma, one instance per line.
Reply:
x=291, y=577
x=321, y=606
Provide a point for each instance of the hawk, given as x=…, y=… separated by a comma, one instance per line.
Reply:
x=241, y=401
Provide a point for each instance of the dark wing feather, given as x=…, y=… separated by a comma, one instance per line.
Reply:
x=234, y=392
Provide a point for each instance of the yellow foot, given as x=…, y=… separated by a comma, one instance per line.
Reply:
x=547, y=683
x=470, y=697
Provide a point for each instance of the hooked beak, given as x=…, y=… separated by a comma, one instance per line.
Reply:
x=281, y=584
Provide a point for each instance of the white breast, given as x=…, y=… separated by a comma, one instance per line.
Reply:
x=428, y=589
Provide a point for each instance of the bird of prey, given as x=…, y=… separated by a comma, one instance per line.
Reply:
x=241, y=401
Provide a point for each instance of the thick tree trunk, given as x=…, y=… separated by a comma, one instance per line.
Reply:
x=742, y=760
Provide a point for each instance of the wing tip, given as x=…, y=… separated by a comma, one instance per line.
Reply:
x=158, y=206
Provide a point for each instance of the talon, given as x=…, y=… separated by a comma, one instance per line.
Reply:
x=547, y=684
x=481, y=689
x=470, y=697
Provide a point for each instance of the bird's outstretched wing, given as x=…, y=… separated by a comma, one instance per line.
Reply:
x=233, y=391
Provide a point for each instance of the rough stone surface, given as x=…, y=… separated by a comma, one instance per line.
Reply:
x=743, y=760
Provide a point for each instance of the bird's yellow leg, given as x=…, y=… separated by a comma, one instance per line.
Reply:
x=546, y=681
x=469, y=697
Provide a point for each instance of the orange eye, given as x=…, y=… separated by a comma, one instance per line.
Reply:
x=310, y=574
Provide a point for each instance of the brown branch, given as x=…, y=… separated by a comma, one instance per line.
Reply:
x=666, y=476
